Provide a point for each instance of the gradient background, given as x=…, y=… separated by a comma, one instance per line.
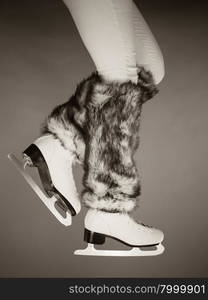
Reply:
x=42, y=58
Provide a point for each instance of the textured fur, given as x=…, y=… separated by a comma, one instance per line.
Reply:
x=100, y=125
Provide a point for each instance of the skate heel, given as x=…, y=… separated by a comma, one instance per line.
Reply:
x=94, y=237
x=32, y=155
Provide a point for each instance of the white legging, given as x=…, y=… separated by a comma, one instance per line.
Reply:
x=117, y=38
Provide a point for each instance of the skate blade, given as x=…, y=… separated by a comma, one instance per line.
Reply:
x=48, y=201
x=136, y=251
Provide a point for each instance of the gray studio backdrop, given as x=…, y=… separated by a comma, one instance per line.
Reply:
x=42, y=58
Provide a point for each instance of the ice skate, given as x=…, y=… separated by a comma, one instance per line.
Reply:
x=54, y=164
x=100, y=225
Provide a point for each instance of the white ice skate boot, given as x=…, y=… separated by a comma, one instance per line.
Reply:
x=121, y=227
x=54, y=164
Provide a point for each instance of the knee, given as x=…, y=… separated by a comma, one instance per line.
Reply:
x=159, y=77
x=159, y=70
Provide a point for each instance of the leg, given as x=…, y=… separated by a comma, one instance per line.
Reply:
x=106, y=108
x=106, y=28
x=111, y=181
x=148, y=53
x=112, y=123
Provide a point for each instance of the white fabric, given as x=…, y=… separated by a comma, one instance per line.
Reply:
x=148, y=53
x=117, y=38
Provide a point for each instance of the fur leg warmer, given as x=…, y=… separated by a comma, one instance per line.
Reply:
x=100, y=125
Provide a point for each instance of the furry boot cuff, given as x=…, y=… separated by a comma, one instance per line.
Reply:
x=100, y=125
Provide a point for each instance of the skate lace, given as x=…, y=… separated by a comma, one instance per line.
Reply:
x=133, y=221
x=145, y=225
